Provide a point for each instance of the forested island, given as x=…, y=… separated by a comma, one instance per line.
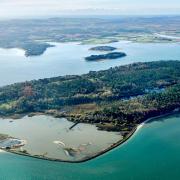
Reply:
x=103, y=48
x=117, y=99
x=37, y=49
x=113, y=55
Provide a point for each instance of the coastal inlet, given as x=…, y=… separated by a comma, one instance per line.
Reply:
x=49, y=137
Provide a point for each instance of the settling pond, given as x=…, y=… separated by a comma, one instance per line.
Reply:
x=52, y=138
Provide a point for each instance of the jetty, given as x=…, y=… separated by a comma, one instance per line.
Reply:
x=75, y=124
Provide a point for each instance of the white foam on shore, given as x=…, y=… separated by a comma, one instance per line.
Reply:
x=140, y=126
x=1, y=151
x=150, y=119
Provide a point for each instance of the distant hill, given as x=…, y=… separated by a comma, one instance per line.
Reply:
x=33, y=35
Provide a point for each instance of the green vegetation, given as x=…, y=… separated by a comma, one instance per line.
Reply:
x=113, y=55
x=116, y=99
x=3, y=136
x=103, y=48
x=36, y=49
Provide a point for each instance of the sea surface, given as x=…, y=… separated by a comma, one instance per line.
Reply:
x=153, y=153
x=68, y=58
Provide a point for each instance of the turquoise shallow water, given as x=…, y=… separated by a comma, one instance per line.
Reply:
x=153, y=153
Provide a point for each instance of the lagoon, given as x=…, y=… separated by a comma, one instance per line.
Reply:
x=52, y=138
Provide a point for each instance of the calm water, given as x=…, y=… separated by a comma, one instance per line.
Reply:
x=68, y=58
x=152, y=153
x=42, y=132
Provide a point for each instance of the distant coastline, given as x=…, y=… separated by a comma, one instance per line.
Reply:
x=103, y=48
x=167, y=36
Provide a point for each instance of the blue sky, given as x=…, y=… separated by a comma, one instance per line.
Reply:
x=29, y=8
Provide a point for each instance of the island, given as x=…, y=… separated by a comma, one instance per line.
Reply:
x=37, y=49
x=118, y=99
x=113, y=55
x=103, y=48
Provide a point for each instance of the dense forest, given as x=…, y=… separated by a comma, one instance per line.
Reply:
x=112, y=55
x=115, y=99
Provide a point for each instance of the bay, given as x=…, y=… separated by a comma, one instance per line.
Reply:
x=68, y=59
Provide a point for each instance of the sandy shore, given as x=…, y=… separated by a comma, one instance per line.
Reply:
x=151, y=119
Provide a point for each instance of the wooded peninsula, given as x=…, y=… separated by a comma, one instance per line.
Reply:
x=117, y=99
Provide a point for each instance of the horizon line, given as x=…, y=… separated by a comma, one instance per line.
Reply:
x=87, y=16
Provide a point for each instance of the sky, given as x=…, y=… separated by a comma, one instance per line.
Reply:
x=40, y=8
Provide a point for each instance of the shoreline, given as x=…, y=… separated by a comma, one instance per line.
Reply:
x=96, y=155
